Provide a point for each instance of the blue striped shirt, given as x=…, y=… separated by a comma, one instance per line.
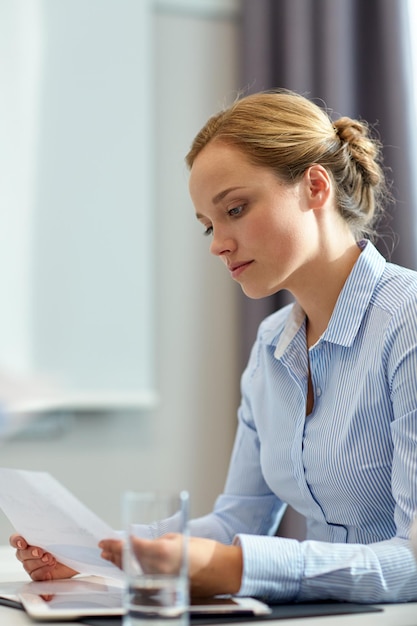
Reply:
x=350, y=467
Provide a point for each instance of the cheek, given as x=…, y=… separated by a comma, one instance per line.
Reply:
x=278, y=237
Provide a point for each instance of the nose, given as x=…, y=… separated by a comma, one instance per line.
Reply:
x=221, y=243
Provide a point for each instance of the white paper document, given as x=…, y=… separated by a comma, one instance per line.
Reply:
x=47, y=515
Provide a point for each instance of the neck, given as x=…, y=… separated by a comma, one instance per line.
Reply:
x=319, y=297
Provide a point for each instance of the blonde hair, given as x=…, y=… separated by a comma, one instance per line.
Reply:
x=287, y=132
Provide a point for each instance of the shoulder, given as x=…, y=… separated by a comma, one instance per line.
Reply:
x=396, y=289
x=394, y=307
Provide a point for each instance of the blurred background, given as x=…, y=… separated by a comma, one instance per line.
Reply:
x=121, y=340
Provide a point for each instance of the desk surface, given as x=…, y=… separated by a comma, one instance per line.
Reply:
x=392, y=614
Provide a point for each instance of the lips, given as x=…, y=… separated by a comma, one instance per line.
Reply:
x=236, y=269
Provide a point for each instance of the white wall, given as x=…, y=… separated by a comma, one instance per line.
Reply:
x=185, y=442
x=75, y=194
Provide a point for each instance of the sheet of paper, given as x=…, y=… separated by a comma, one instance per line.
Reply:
x=48, y=515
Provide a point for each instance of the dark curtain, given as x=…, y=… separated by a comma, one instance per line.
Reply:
x=354, y=56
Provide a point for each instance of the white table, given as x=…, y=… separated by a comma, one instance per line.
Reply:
x=392, y=614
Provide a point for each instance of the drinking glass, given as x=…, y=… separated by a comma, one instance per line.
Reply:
x=155, y=595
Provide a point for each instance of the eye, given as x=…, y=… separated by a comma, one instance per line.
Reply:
x=208, y=231
x=236, y=211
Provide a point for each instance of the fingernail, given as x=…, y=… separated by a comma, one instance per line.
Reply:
x=35, y=553
x=20, y=545
x=45, y=558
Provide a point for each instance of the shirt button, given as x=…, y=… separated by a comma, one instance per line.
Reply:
x=318, y=392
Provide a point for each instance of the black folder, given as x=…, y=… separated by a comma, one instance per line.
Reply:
x=278, y=611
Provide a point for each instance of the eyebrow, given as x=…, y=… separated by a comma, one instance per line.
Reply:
x=219, y=197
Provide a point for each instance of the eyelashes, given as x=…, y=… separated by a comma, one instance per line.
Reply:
x=236, y=211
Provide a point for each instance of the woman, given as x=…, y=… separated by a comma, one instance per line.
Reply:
x=328, y=418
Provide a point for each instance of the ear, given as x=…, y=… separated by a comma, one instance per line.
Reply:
x=318, y=185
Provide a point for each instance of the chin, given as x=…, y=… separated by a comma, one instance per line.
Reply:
x=254, y=295
x=257, y=294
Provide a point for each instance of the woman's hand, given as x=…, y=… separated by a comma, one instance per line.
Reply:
x=40, y=565
x=214, y=568
x=111, y=550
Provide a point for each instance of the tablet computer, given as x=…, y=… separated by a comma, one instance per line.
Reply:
x=235, y=605
x=61, y=600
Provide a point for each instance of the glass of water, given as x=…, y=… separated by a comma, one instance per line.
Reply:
x=156, y=591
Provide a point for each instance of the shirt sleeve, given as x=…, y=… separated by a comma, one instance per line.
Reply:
x=247, y=504
x=285, y=570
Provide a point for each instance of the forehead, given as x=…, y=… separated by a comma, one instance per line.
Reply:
x=218, y=164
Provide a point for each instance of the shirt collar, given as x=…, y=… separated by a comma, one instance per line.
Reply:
x=351, y=304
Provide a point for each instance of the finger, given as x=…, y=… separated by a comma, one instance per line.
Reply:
x=17, y=541
x=25, y=555
x=46, y=563
x=34, y=553
x=105, y=543
x=41, y=574
x=162, y=555
x=113, y=558
x=111, y=550
x=111, y=546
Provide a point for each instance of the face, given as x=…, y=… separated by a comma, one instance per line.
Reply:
x=262, y=228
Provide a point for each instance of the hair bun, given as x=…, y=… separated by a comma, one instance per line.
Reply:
x=350, y=131
x=363, y=149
